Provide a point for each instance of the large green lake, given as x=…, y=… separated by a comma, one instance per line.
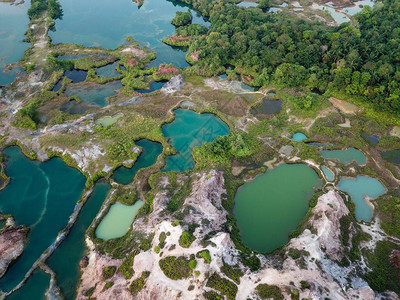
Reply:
x=13, y=25
x=272, y=205
x=104, y=23
x=41, y=196
x=188, y=130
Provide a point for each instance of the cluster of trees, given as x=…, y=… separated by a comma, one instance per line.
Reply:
x=361, y=59
x=53, y=8
x=182, y=18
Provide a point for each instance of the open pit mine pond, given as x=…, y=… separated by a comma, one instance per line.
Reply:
x=13, y=25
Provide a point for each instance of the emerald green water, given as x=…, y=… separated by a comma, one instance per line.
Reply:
x=41, y=196
x=345, y=156
x=108, y=121
x=13, y=25
x=34, y=288
x=148, y=157
x=94, y=93
x=118, y=220
x=103, y=23
x=272, y=205
x=358, y=188
x=189, y=130
x=65, y=260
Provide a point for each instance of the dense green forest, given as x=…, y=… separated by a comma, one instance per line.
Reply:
x=360, y=58
x=53, y=8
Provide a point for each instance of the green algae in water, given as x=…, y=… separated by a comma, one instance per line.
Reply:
x=34, y=289
x=103, y=23
x=328, y=173
x=94, y=93
x=189, y=130
x=118, y=220
x=271, y=206
x=13, y=25
x=39, y=195
x=148, y=157
x=108, y=121
x=74, y=246
x=357, y=188
x=345, y=156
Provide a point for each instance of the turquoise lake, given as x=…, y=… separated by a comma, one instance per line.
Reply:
x=298, y=137
x=74, y=246
x=189, y=130
x=102, y=23
x=13, y=25
x=94, y=93
x=357, y=188
x=41, y=196
x=328, y=173
x=345, y=156
x=148, y=157
x=272, y=205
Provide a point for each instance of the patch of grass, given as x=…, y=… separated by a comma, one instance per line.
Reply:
x=186, y=239
x=389, y=213
x=223, y=285
x=126, y=267
x=175, y=268
x=193, y=264
x=204, y=254
x=109, y=272
x=212, y=295
x=266, y=291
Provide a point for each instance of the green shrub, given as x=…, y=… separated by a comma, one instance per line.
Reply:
x=157, y=249
x=109, y=272
x=175, y=268
x=212, y=295
x=266, y=291
x=205, y=254
x=193, y=264
x=186, y=239
x=223, y=285
x=108, y=285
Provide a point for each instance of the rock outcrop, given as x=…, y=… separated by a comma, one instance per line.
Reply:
x=12, y=243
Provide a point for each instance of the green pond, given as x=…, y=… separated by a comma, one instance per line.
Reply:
x=41, y=196
x=118, y=220
x=345, y=156
x=94, y=93
x=108, y=121
x=360, y=187
x=74, y=246
x=148, y=157
x=272, y=205
x=13, y=25
x=34, y=288
x=103, y=23
x=188, y=130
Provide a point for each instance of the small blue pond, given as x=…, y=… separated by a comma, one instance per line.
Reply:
x=298, y=137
